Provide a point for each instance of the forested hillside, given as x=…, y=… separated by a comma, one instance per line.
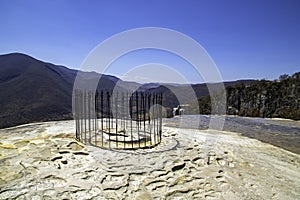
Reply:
x=279, y=98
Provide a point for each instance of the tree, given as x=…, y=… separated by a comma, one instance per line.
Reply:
x=283, y=77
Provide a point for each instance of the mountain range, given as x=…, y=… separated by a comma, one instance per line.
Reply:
x=32, y=90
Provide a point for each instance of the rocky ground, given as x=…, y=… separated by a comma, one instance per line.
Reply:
x=44, y=161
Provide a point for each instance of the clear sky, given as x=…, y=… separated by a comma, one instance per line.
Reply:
x=246, y=38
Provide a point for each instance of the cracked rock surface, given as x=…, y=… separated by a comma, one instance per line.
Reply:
x=44, y=161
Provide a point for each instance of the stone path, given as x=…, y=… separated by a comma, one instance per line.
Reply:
x=44, y=161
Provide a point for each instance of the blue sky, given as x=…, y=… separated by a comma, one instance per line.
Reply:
x=246, y=39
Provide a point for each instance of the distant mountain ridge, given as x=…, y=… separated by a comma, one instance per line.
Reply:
x=32, y=90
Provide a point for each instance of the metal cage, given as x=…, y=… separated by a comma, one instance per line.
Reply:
x=118, y=120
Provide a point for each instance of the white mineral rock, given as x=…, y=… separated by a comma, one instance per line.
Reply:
x=44, y=161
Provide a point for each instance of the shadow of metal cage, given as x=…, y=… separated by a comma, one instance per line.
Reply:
x=118, y=120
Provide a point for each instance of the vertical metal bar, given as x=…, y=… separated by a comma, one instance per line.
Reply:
x=108, y=106
x=116, y=118
x=157, y=112
x=160, y=129
x=78, y=113
x=75, y=112
x=123, y=115
x=81, y=114
x=96, y=121
x=155, y=117
x=92, y=107
x=102, y=111
x=150, y=116
x=84, y=113
x=89, y=115
x=111, y=106
x=144, y=118
x=75, y=117
x=106, y=112
x=158, y=118
x=137, y=116
x=130, y=110
x=153, y=111
x=127, y=112
x=97, y=112
x=141, y=111
x=92, y=111
x=80, y=104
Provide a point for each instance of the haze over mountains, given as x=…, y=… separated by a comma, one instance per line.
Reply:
x=33, y=90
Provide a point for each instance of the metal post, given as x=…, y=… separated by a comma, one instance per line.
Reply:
x=123, y=116
x=96, y=120
x=153, y=113
x=130, y=110
x=137, y=116
x=89, y=114
x=116, y=117
x=160, y=128
x=84, y=111
x=157, y=117
x=108, y=107
x=81, y=114
x=149, y=122
x=101, y=105
x=144, y=117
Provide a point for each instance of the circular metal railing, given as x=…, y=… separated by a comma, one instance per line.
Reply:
x=118, y=120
